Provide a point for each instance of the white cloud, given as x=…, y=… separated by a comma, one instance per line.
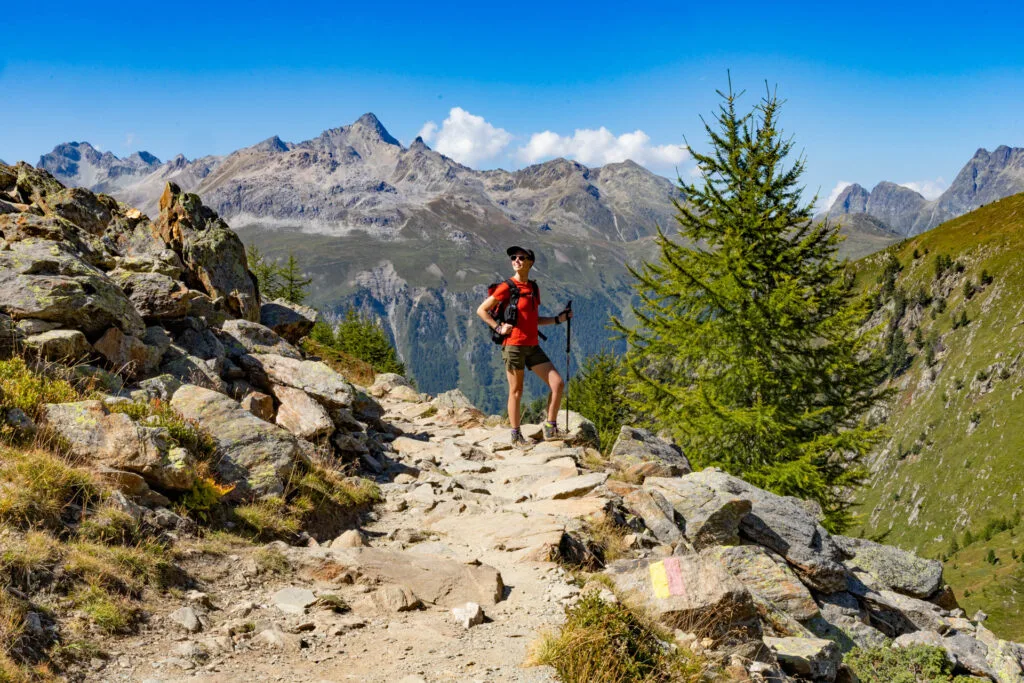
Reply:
x=826, y=204
x=466, y=138
x=929, y=189
x=599, y=147
x=129, y=140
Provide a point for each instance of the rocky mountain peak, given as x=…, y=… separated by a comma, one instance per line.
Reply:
x=272, y=145
x=418, y=145
x=853, y=199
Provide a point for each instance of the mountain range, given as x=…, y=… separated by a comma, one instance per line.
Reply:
x=987, y=177
x=413, y=237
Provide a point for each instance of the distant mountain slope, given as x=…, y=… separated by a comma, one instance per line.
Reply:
x=953, y=461
x=987, y=177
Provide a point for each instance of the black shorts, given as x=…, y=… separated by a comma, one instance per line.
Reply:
x=520, y=357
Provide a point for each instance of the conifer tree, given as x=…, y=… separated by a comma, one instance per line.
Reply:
x=293, y=284
x=746, y=345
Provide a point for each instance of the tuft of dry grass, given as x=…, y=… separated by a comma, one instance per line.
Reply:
x=351, y=368
x=609, y=537
x=114, y=614
x=608, y=643
x=270, y=560
x=29, y=560
x=268, y=519
x=37, y=487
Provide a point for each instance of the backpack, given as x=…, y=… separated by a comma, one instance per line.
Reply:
x=508, y=312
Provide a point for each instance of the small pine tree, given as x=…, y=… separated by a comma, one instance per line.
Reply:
x=597, y=393
x=991, y=556
x=366, y=340
x=968, y=538
x=986, y=278
x=954, y=547
x=268, y=274
x=293, y=284
x=968, y=289
x=747, y=346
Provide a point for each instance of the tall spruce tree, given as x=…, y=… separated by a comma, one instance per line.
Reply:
x=746, y=345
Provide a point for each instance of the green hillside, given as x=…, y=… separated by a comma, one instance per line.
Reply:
x=953, y=466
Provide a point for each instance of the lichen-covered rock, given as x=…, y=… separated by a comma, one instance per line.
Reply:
x=67, y=346
x=301, y=415
x=766, y=574
x=253, y=454
x=313, y=377
x=710, y=517
x=788, y=526
x=242, y=336
x=194, y=370
x=809, y=658
x=213, y=255
x=893, y=568
x=94, y=434
x=127, y=354
x=385, y=382
x=694, y=592
x=291, y=321
x=48, y=281
x=154, y=295
x=656, y=512
x=654, y=456
x=843, y=621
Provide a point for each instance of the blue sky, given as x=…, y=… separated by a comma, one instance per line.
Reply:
x=887, y=91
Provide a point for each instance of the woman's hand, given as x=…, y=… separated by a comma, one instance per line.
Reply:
x=503, y=329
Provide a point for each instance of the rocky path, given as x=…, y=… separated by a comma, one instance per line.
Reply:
x=460, y=499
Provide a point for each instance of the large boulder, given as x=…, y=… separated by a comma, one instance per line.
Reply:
x=92, y=433
x=385, y=383
x=893, y=568
x=639, y=452
x=710, y=516
x=291, y=321
x=48, y=281
x=254, y=455
x=786, y=525
x=213, y=255
x=154, y=295
x=313, y=377
x=301, y=415
x=694, y=592
x=242, y=336
x=766, y=574
x=67, y=346
x=843, y=621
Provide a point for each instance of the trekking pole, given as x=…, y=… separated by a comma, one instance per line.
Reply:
x=568, y=338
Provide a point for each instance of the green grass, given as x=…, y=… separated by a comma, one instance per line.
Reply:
x=997, y=588
x=918, y=664
x=22, y=387
x=952, y=462
x=38, y=487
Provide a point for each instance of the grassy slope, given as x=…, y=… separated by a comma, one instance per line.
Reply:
x=953, y=461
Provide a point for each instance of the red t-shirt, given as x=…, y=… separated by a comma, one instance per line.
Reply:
x=525, y=331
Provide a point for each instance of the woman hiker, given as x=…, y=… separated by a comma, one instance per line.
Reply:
x=520, y=349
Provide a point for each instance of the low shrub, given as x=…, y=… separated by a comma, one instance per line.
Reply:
x=918, y=664
x=607, y=643
x=114, y=614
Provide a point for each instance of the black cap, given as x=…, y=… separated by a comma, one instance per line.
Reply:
x=513, y=250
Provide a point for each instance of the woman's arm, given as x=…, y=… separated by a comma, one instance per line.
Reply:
x=555, y=319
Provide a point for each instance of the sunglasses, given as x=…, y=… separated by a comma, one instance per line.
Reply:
x=521, y=257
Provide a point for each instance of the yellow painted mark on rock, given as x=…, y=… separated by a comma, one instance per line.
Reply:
x=659, y=579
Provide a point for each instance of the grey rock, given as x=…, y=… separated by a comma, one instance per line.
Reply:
x=127, y=354
x=67, y=346
x=293, y=600
x=313, y=377
x=811, y=658
x=710, y=515
x=717, y=604
x=252, y=454
x=161, y=386
x=656, y=512
x=766, y=575
x=469, y=615
x=654, y=456
x=301, y=415
x=186, y=618
x=244, y=336
x=788, y=526
x=154, y=295
x=572, y=487
x=291, y=321
x=94, y=434
x=893, y=568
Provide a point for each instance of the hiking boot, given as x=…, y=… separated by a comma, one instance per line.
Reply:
x=517, y=440
x=552, y=432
